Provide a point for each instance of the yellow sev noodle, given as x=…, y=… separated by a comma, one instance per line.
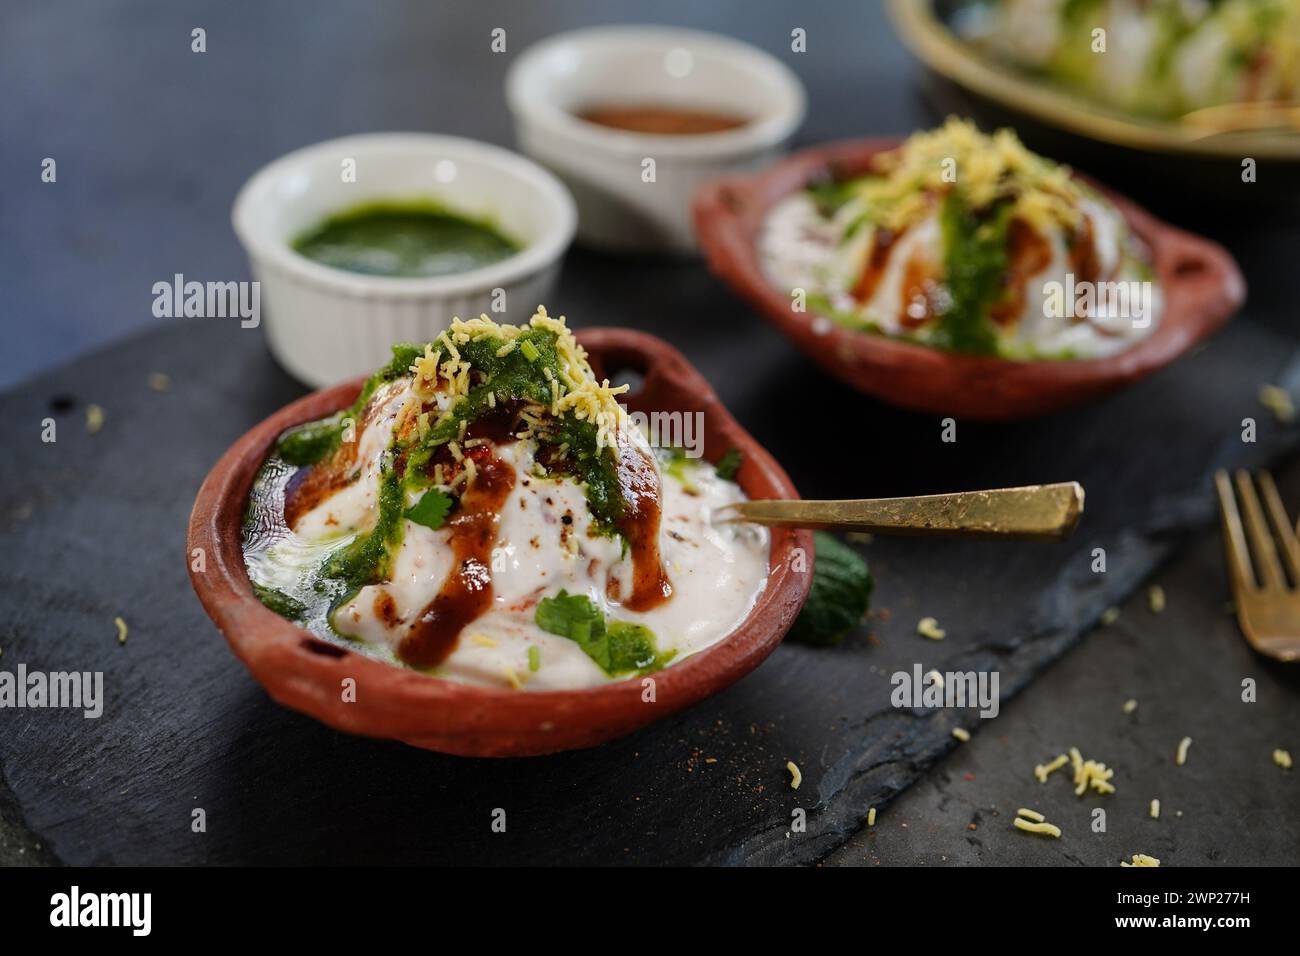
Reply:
x=442, y=369
x=1088, y=774
x=1031, y=821
x=989, y=168
x=1044, y=829
x=1043, y=770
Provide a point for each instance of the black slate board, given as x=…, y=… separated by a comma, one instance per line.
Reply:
x=93, y=526
x=1228, y=805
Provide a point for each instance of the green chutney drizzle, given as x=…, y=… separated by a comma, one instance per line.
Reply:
x=517, y=377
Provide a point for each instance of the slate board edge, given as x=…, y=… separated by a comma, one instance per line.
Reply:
x=1176, y=520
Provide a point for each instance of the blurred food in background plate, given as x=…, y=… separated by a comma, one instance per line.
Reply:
x=635, y=118
x=958, y=273
x=1163, y=58
x=968, y=243
x=1186, y=95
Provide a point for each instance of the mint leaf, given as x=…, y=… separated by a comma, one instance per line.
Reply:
x=575, y=616
x=839, y=597
x=431, y=510
x=728, y=465
x=617, y=649
x=570, y=615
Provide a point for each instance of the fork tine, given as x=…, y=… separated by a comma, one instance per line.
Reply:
x=1233, y=539
x=1261, y=542
x=1282, y=532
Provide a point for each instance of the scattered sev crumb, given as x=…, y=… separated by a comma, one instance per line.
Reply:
x=482, y=640
x=929, y=627
x=121, y=630
x=796, y=777
x=961, y=733
x=1156, y=598
x=94, y=418
x=1090, y=774
x=1109, y=616
x=512, y=678
x=1141, y=859
x=1042, y=770
x=1181, y=757
x=160, y=381
x=1282, y=758
x=871, y=817
x=1155, y=809
x=1028, y=814
x=1278, y=401
x=936, y=679
x=1130, y=705
x=1045, y=829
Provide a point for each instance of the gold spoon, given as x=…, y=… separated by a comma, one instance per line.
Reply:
x=1036, y=511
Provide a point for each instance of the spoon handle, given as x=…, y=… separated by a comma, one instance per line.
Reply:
x=1035, y=511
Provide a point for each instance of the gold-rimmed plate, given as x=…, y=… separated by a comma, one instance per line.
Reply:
x=926, y=27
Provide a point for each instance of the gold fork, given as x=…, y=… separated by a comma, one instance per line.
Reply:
x=1267, y=605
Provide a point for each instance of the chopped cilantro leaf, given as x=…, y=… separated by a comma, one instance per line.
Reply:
x=728, y=465
x=431, y=510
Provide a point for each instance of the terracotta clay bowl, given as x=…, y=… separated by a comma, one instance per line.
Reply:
x=1202, y=286
x=303, y=672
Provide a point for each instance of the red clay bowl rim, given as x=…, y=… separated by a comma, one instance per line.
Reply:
x=406, y=702
x=734, y=257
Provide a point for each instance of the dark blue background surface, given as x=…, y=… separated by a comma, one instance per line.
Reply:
x=152, y=141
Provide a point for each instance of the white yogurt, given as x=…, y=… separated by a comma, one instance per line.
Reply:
x=717, y=571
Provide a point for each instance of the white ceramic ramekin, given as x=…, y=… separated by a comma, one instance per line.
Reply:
x=325, y=325
x=658, y=66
